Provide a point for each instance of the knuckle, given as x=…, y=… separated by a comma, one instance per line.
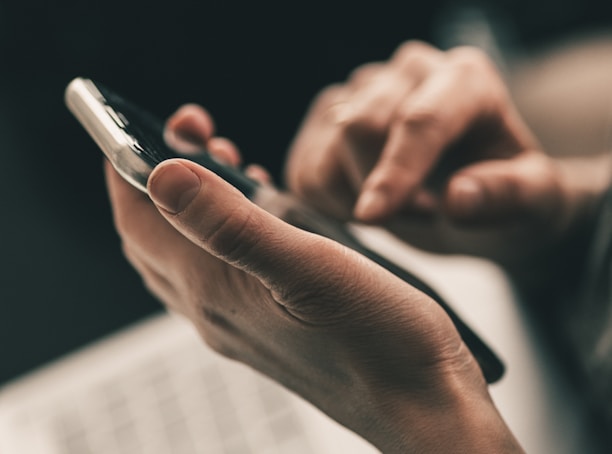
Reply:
x=414, y=54
x=364, y=73
x=370, y=123
x=328, y=105
x=425, y=121
x=475, y=67
x=364, y=106
x=412, y=47
x=471, y=60
x=367, y=114
x=329, y=96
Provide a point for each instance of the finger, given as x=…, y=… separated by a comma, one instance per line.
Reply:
x=224, y=150
x=525, y=188
x=258, y=173
x=373, y=102
x=172, y=266
x=369, y=108
x=192, y=123
x=435, y=115
x=191, y=128
x=410, y=55
x=314, y=170
x=374, y=90
x=213, y=214
x=366, y=117
x=292, y=263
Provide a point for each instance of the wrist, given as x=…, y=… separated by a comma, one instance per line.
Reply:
x=453, y=413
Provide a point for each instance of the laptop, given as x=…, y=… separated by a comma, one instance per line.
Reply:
x=154, y=387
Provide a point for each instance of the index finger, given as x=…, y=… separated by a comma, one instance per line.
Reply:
x=430, y=119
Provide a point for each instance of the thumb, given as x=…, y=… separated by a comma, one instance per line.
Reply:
x=305, y=272
x=525, y=187
x=217, y=217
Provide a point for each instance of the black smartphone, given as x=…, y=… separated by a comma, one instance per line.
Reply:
x=133, y=141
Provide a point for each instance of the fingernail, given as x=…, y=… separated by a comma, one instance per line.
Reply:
x=173, y=187
x=468, y=197
x=371, y=205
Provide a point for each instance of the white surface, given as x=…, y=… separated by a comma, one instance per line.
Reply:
x=128, y=393
x=533, y=398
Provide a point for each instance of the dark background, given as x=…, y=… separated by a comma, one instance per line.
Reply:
x=63, y=280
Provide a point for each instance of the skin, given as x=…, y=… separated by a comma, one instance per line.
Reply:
x=373, y=353
x=428, y=144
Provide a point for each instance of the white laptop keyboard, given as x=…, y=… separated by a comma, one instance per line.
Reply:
x=159, y=390
x=180, y=405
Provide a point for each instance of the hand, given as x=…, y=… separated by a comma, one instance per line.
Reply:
x=370, y=351
x=430, y=145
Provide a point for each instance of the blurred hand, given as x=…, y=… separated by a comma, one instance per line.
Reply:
x=430, y=144
x=373, y=353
